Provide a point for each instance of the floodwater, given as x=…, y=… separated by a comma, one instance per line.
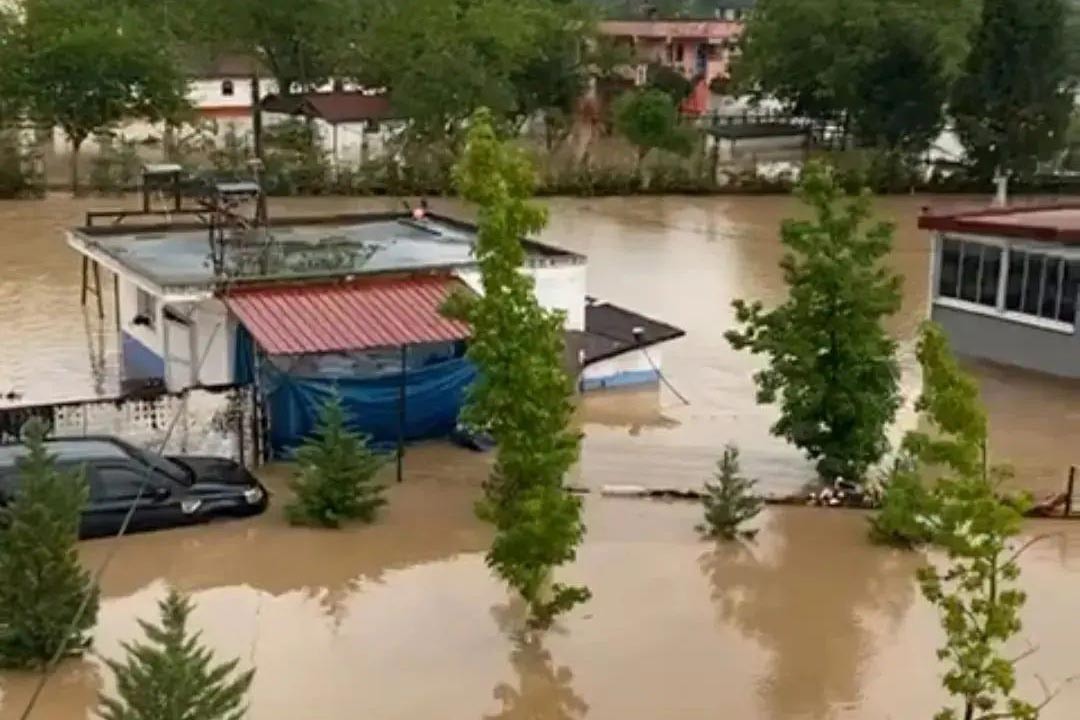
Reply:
x=403, y=620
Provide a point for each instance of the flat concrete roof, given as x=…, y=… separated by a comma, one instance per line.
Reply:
x=1058, y=222
x=179, y=254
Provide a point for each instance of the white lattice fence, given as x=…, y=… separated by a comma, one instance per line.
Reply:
x=217, y=423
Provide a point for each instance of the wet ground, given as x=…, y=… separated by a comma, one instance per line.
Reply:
x=402, y=619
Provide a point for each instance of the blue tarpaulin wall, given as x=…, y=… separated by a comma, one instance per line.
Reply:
x=434, y=394
x=433, y=398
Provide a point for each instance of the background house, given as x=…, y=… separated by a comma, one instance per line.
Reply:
x=700, y=50
x=353, y=126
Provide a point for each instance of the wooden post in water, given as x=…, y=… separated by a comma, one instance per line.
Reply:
x=1069, y=490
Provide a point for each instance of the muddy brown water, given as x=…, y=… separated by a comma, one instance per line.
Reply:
x=403, y=620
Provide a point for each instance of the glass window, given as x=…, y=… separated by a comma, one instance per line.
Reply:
x=970, y=262
x=991, y=273
x=1014, y=285
x=950, y=268
x=118, y=483
x=1070, y=286
x=1042, y=285
x=227, y=88
x=1033, y=281
x=1051, y=292
x=969, y=271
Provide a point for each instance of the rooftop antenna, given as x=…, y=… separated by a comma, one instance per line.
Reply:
x=227, y=223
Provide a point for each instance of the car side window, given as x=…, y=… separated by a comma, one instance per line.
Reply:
x=116, y=482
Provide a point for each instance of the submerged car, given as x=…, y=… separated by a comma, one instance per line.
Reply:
x=179, y=490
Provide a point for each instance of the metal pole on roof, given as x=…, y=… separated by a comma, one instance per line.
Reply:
x=401, y=415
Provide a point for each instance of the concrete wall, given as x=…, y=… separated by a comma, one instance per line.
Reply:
x=558, y=287
x=1009, y=342
x=143, y=349
x=632, y=368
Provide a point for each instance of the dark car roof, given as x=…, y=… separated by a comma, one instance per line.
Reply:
x=69, y=450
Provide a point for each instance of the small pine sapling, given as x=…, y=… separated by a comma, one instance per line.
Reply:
x=730, y=501
x=43, y=586
x=336, y=479
x=172, y=676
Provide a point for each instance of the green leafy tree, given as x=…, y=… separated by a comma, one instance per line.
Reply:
x=336, y=479
x=304, y=43
x=649, y=120
x=89, y=67
x=877, y=68
x=554, y=72
x=1013, y=101
x=978, y=597
x=730, y=502
x=669, y=80
x=42, y=584
x=903, y=88
x=831, y=366
x=954, y=439
x=172, y=676
x=523, y=394
x=906, y=505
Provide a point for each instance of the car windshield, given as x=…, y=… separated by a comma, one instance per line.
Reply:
x=176, y=471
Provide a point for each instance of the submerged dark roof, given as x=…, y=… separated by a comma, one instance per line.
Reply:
x=609, y=331
x=333, y=107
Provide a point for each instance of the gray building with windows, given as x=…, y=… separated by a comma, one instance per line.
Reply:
x=1004, y=284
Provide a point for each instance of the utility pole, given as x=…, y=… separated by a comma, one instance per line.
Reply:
x=257, y=142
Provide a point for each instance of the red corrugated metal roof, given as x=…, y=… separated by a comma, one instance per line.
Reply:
x=310, y=319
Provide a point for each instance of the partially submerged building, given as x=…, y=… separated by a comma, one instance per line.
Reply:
x=1004, y=284
x=305, y=307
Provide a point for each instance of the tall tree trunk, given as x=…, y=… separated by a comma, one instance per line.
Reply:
x=76, y=143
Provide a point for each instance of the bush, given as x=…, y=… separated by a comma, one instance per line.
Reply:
x=117, y=167
x=17, y=175
x=295, y=161
x=905, y=506
x=336, y=480
x=42, y=584
x=730, y=502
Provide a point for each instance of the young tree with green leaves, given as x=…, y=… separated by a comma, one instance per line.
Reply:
x=649, y=120
x=42, y=583
x=978, y=597
x=954, y=439
x=522, y=395
x=1013, y=101
x=730, y=501
x=172, y=676
x=966, y=515
x=336, y=477
x=831, y=365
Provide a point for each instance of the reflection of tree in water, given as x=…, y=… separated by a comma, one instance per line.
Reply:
x=807, y=606
x=544, y=691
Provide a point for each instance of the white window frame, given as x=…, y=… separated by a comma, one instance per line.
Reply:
x=998, y=310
